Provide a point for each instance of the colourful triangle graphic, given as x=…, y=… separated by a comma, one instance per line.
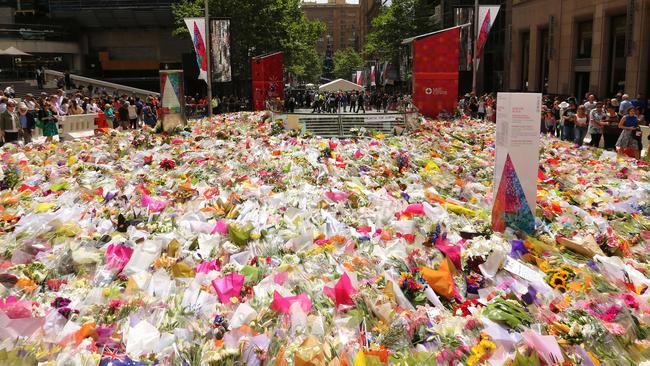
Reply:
x=510, y=207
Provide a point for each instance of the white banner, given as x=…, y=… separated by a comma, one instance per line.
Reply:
x=517, y=161
x=196, y=27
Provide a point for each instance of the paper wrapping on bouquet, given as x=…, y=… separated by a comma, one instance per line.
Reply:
x=268, y=79
x=310, y=353
x=435, y=72
x=117, y=256
x=517, y=161
x=229, y=286
x=283, y=304
x=440, y=280
x=172, y=94
x=342, y=292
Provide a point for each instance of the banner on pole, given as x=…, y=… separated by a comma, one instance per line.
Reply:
x=360, y=78
x=517, y=161
x=268, y=79
x=486, y=17
x=220, y=50
x=435, y=71
x=196, y=27
x=372, y=76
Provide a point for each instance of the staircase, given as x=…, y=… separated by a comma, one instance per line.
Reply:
x=23, y=87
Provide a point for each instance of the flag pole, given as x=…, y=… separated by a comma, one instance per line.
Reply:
x=474, y=66
x=207, y=55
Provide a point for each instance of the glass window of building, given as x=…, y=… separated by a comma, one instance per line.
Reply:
x=585, y=35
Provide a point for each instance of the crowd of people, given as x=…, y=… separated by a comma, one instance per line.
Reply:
x=616, y=121
x=19, y=118
x=198, y=106
x=344, y=102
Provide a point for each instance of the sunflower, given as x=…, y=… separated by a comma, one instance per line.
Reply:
x=562, y=273
x=557, y=280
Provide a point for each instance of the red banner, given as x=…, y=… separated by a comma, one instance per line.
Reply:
x=268, y=79
x=435, y=72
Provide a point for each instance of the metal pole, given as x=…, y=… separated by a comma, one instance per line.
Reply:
x=207, y=54
x=474, y=66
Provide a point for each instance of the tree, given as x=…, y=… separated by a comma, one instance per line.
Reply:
x=346, y=61
x=395, y=22
x=259, y=27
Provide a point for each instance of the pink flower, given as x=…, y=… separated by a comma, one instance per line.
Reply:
x=614, y=328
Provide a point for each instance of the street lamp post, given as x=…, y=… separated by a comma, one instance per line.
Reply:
x=474, y=65
x=207, y=55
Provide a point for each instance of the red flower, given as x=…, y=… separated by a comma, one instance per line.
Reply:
x=167, y=164
x=55, y=285
x=148, y=160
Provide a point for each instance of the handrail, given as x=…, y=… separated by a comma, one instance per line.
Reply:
x=105, y=84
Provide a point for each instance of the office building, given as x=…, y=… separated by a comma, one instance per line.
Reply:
x=342, y=22
x=572, y=47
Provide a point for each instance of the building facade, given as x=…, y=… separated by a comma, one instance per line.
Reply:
x=342, y=22
x=368, y=10
x=492, y=71
x=571, y=47
x=122, y=41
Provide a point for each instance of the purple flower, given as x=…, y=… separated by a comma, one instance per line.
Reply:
x=518, y=248
x=67, y=312
x=60, y=302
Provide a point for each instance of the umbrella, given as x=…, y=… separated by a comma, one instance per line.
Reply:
x=13, y=51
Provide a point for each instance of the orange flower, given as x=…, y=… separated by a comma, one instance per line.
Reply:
x=27, y=284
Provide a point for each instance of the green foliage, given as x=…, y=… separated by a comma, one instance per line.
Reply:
x=265, y=26
x=346, y=61
x=397, y=21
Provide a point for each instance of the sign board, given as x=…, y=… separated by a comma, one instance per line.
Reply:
x=517, y=161
x=172, y=94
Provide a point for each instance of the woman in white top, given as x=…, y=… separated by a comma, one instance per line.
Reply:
x=582, y=122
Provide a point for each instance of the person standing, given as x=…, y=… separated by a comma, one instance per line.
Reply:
x=626, y=104
x=133, y=115
x=9, y=123
x=481, y=108
x=149, y=115
x=40, y=77
x=353, y=102
x=48, y=120
x=590, y=104
x=596, y=123
x=110, y=116
x=123, y=114
x=549, y=121
x=611, y=132
x=581, y=125
x=29, y=102
x=27, y=122
x=569, y=120
x=628, y=143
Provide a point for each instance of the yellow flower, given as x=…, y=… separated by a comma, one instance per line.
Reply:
x=543, y=265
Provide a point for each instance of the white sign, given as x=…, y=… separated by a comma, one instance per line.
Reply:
x=517, y=160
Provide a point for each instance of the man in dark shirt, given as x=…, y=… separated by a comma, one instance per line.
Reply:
x=569, y=117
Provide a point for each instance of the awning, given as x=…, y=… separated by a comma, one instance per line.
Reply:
x=13, y=51
x=339, y=85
